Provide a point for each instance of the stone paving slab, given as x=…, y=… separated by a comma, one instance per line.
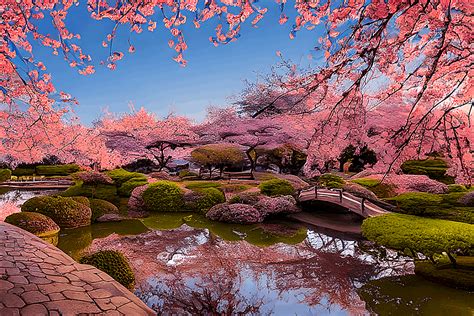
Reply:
x=37, y=278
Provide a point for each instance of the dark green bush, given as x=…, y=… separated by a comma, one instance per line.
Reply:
x=127, y=187
x=163, y=196
x=101, y=207
x=456, y=188
x=331, y=181
x=114, y=264
x=5, y=175
x=35, y=223
x=106, y=192
x=457, y=214
x=419, y=235
x=23, y=171
x=120, y=176
x=187, y=174
x=276, y=187
x=64, y=211
x=208, y=198
x=433, y=168
x=458, y=278
x=415, y=202
x=57, y=170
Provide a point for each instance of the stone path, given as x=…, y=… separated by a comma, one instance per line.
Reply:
x=37, y=278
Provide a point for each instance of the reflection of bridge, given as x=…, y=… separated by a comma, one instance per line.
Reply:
x=38, y=184
x=358, y=205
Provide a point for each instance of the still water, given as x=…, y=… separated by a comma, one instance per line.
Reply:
x=186, y=264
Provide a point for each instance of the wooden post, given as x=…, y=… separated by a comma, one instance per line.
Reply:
x=340, y=196
x=316, y=192
x=363, y=205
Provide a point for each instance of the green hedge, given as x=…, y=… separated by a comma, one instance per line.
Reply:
x=101, y=207
x=57, y=170
x=127, y=187
x=415, y=202
x=18, y=172
x=276, y=187
x=433, y=168
x=5, y=175
x=163, y=196
x=423, y=235
x=209, y=197
x=64, y=211
x=120, y=176
x=106, y=192
x=114, y=264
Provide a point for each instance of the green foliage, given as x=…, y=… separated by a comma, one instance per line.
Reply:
x=446, y=275
x=120, y=176
x=276, y=187
x=106, y=192
x=415, y=202
x=35, y=223
x=218, y=156
x=232, y=188
x=187, y=174
x=127, y=187
x=5, y=175
x=456, y=188
x=208, y=198
x=82, y=199
x=114, y=264
x=27, y=171
x=331, y=180
x=423, y=235
x=433, y=168
x=56, y=170
x=193, y=185
x=365, y=156
x=101, y=207
x=457, y=214
x=64, y=211
x=287, y=157
x=382, y=190
x=163, y=196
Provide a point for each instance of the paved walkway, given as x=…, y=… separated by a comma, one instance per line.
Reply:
x=37, y=278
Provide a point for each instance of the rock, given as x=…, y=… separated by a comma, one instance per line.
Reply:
x=277, y=205
x=235, y=213
x=161, y=175
x=136, y=205
x=109, y=218
x=359, y=191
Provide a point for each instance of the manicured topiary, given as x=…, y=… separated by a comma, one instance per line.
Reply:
x=56, y=170
x=277, y=205
x=114, y=264
x=163, y=196
x=415, y=202
x=5, y=175
x=433, y=168
x=359, y=191
x=127, y=187
x=276, y=187
x=106, y=192
x=331, y=181
x=208, y=198
x=23, y=171
x=120, y=176
x=37, y=224
x=186, y=174
x=101, y=207
x=66, y=212
x=458, y=278
x=420, y=235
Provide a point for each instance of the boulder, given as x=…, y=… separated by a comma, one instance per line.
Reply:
x=109, y=218
x=359, y=191
x=136, y=205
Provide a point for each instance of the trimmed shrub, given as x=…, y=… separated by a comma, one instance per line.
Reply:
x=66, y=212
x=193, y=185
x=5, y=175
x=433, y=168
x=101, y=207
x=456, y=188
x=249, y=198
x=458, y=278
x=57, y=170
x=380, y=189
x=163, y=196
x=207, y=198
x=106, y=192
x=415, y=202
x=19, y=172
x=93, y=177
x=82, y=199
x=235, y=213
x=114, y=264
x=277, y=205
x=127, y=187
x=35, y=223
x=276, y=187
x=331, y=181
x=419, y=235
x=457, y=214
x=187, y=174
x=120, y=176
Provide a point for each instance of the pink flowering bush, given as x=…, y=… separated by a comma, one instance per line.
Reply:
x=413, y=183
x=467, y=199
x=235, y=213
x=93, y=177
x=277, y=205
x=359, y=191
x=8, y=208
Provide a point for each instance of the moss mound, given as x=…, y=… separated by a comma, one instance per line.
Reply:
x=433, y=168
x=276, y=187
x=456, y=188
x=82, y=200
x=382, y=190
x=194, y=185
x=35, y=223
x=57, y=170
x=163, y=196
x=114, y=264
x=329, y=180
x=27, y=171
x=208, y=198
x=5, y=175
x=120, y=176
x=127, y=187
x=65, y=212
x=423, y=235
x=415, y=203
x=106, y=192
x=445, y=274
x=101, y=207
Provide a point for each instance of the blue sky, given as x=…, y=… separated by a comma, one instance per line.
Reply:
x=150, y=78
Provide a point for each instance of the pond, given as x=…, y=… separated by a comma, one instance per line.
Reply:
x=186, y=264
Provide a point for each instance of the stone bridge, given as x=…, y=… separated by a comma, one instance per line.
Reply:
x=37, y=278
x=357, y=205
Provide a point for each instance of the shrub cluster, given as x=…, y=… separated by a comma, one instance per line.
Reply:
x=329, y=180
x=101, y=207
x=35, y=223
x=106, y=192
x=93, y=177
x=64, y=211
x=163, y=196
x=207, y=198
x=5, y=175
x=56, y=170
x=276, y=187
x=433, y=168
x=126, y=181
x=114, y=264
x=381, y=189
